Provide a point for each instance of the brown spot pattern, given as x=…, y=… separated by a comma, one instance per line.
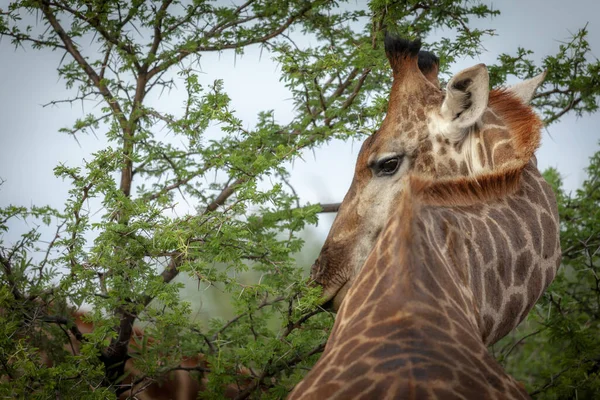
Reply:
x=453, y=166
x=433, y=292
x=464, y=169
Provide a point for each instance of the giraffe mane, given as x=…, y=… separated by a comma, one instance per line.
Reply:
x=469, y=190
x=525, y=129
x=403, y=54
x=399, y=47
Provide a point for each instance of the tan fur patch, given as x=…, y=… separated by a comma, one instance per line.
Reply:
x=524, y=127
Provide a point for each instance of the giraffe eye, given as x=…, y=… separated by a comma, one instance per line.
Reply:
x=387, y=166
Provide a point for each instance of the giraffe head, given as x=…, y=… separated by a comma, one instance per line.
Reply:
x=428, y=132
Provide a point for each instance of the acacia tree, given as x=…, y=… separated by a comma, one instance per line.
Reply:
x=339, y=88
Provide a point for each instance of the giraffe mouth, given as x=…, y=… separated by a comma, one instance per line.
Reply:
x=335, y=299
x=329, y=277
x=340, y=296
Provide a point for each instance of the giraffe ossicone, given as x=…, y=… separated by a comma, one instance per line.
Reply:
x=445, y=240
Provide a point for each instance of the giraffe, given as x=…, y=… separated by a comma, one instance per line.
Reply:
x=408, y=328
x=465, y=134
x=465, y=240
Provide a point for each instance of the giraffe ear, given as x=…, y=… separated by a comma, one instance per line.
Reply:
x=466, y=99
x=525, y=90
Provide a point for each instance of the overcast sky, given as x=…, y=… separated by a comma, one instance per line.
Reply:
x=31, y=146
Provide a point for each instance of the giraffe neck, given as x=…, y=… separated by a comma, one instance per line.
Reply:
x=506, y=233
x=408, y=329
x=507, y=248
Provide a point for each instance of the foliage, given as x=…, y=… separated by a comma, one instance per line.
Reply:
x=572, y=81
x=122, y=261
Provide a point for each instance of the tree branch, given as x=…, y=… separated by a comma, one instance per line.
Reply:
x=95, y=23
x=568, y=108
x=238, y=317
x=19, y=37
x=354, y=93
x=330, y=207
x=5, y=262
x=160, y=15
x=224, y=195
x=53, y=319
x=183, y=53
x=72, y=49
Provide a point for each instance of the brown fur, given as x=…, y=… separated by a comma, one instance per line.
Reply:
x=398, y=335
x=432, y=75
x=409, y=204
x=468, y=190
x=402, y=54
x=523, y=124
x=525, y=129
x=457, y=265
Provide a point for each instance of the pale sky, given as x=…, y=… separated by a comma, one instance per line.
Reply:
x=31, y=146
